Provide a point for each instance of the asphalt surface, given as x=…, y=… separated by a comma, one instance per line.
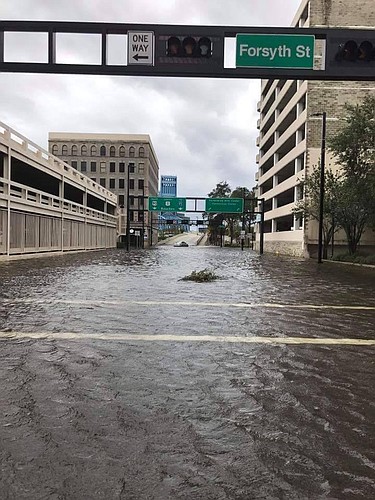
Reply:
x=119, y=381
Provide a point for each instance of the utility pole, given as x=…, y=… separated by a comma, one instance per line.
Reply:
x=322, y=181
x=128, y=208
x=243, y=220
x=143, y=214
x=261, y=232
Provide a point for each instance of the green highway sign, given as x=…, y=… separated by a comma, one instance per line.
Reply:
x=224, y=205
x=274, y=51
x=160, y=204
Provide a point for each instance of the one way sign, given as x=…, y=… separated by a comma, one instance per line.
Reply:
x=141, y=47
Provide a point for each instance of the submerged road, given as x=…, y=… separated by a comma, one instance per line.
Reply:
x=119, y=381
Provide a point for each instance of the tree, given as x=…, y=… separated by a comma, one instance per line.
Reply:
x=215, y=221
x=309, y=206
x=354, y=148
x=223, y=190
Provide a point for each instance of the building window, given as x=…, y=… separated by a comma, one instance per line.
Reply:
x=112, y=166
x=112, y=183
x=141, y=183
x=55, y=149
x=112, y=151
x=141, y=215
x=121, y=183
x=64, y=150
x=83, y=150
x=74, y=164
x=131, y=152
x=103, y=167
x=102, y=151
x=93, y=179
x=141, y=152
x=131, y=168
x=93, y=166
x=121, y=167
x=121, y=200
x=83, y=166
x=131, y=216
x=122, y=151
x=74, y=150
x=141, y=168
x=102, y=182
x=131, y=184
x=131, y=201
x=93, y=150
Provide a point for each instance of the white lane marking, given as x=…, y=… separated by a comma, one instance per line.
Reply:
x=184, y=338
x=252, y=305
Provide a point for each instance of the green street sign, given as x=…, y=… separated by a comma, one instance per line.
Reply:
x=275, y=51
x=160, y=204
x=224, y=205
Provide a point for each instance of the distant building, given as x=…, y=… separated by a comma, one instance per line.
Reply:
x=108, y=159
x=168, y=186
x=289, y=138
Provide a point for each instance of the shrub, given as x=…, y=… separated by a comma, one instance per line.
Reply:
x=355, y=258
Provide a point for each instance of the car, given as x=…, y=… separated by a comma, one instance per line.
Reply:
x=181, y=244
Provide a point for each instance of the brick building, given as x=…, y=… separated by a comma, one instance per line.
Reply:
x=108, y=159
x=289, y=138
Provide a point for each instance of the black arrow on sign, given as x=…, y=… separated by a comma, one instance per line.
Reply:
x=137, y=56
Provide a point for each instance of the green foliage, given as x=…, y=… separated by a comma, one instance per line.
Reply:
x=309, y=205
x=354, y=147
x=201, y=276
x=349, y=199
x=222, y=190
x=354, y=144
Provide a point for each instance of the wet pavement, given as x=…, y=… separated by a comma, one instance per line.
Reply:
x=118, y=381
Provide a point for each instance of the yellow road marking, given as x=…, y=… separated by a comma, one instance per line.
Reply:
x=244, y=305
x=184, y=338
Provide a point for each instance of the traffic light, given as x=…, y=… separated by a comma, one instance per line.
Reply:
x=356, y=51
x=189, y=47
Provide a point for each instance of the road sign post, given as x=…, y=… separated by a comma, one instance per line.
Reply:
x=274, y=51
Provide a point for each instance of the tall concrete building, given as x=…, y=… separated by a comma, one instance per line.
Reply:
x=110, y=159
x=289, y=138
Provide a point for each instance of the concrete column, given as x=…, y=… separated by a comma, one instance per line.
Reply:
x=7, y=176
x=61, y=202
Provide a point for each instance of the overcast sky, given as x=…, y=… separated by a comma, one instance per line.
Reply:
x=203, y=130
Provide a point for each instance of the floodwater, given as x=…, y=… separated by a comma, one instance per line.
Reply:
x=119, y=381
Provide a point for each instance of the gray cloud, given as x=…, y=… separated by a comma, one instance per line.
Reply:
x=203, y=130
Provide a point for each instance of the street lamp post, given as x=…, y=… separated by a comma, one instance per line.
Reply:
x=243, y=221
x=143, y=215
x=128, y=208
x=322, y=181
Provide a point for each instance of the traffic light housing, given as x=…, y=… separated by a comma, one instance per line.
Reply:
x=191, y=52
x=351, y=55
x=353, y=51
x=189, y=47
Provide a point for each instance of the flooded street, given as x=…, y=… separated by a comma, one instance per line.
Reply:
x=119, y=381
